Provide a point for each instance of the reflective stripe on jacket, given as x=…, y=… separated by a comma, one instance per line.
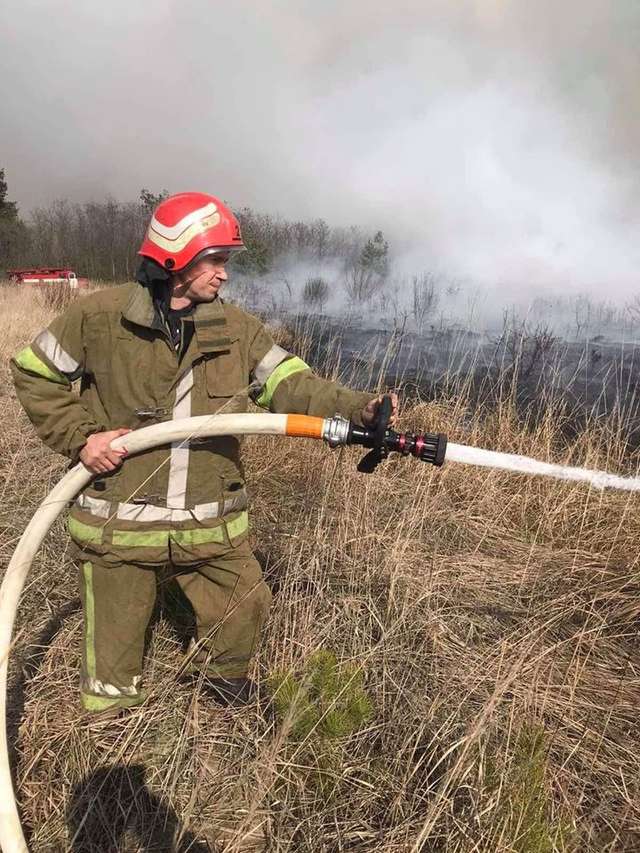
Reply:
x=188, y=497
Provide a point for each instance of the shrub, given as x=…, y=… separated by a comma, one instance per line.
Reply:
x=317, y=709
x=316, y=292
x=326, y=700
x=524, y=808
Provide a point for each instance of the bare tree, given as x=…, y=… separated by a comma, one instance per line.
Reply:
x=523, y=348
x=425, y=298
x=583, y=311
x=633, y=310
x=101, y=240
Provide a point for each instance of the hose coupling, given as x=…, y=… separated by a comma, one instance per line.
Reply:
x=336, y=431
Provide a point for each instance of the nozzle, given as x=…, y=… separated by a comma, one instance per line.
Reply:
x=428, y=447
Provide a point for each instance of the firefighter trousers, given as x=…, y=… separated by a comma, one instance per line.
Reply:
x=229, y=598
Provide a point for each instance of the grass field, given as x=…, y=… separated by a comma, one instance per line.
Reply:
x=485, y=628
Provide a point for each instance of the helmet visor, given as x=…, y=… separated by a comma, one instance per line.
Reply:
x=220, y=254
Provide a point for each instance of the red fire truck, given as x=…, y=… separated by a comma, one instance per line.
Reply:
x=46, y=276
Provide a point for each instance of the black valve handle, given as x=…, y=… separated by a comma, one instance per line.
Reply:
x=428, y=447
x=379, y=451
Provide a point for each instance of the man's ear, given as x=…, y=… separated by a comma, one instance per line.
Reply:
x=176, y=282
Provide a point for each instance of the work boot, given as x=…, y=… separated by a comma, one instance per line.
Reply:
x=100, y=720
x=232, y=692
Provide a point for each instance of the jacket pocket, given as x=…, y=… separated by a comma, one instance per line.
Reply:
x=224, y=371
x=104, y=485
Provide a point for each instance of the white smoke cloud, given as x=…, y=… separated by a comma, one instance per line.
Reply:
x=490, y=140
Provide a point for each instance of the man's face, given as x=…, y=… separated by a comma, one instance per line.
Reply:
x=202, y=281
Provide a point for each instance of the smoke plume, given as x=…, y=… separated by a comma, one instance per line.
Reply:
x=491, y=140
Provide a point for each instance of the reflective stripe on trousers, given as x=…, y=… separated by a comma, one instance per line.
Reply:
x=158, y=538
x=149, y=512
x=98, y=694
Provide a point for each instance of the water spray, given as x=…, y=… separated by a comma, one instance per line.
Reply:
x=435, y=449
x=379, y=440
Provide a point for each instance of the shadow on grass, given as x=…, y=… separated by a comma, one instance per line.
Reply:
x=113, y=810
x=28, y=663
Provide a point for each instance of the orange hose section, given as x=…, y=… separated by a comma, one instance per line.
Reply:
x=304, y=426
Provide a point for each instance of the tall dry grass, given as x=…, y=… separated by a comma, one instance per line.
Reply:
x=493, y=617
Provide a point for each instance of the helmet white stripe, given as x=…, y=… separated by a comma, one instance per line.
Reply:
x=172, y=232
x=187, y=235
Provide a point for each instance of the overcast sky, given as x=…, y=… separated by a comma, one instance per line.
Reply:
x=495, y=139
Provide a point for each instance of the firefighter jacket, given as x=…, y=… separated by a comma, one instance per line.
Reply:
x=186, y=501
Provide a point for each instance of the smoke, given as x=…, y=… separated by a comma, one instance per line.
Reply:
x=491, y=141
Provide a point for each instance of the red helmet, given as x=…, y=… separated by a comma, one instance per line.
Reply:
x=187, y=226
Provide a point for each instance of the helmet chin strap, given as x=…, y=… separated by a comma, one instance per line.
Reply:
x=179, y=284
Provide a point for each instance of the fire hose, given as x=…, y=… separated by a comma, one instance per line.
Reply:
x=335, y=431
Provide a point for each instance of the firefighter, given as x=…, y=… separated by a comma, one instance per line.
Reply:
x=167, y=347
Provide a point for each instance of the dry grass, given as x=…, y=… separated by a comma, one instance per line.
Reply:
x=494, y=618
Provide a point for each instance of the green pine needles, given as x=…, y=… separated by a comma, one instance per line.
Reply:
x=318, y=708
x=325, y=701
x=523, y=816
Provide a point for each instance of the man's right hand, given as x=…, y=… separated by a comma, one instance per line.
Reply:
x=98, y=457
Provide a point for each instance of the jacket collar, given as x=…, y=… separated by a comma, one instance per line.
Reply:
x=140, y=308
x=209, y=318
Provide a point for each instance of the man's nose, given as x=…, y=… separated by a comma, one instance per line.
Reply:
x=221, y=274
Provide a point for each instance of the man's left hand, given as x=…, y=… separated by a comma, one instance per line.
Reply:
x=370, y=411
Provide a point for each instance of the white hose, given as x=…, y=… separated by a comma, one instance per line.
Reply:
x=11, y=835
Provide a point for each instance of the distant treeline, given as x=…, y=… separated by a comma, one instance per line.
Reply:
x=100, y=239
